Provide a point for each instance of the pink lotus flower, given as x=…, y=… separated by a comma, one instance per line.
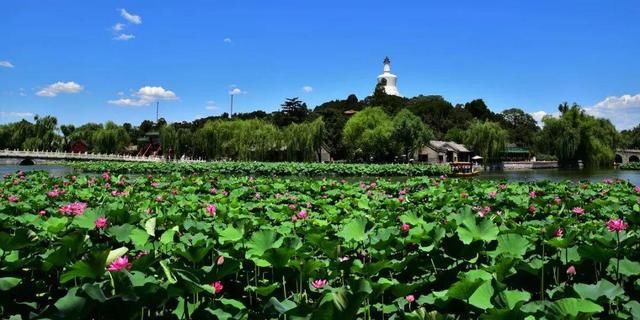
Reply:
x=42, y=213
x=217, y=287
x=571, y=271
x=159, y=199
x=577, y=210
x=119, y=264
x=73, y=178
x=101, y=223
x=492, y=194
x=258, y=195
x=319, y=283
x=532, y=194
x=155, y=184
x=12, y=198
x=401, y=198
x=294, y=218
x=532, y=209
x=53, y=194
x=75, y=208
x=211, y=210
x=213, y=190
x=405, y=227
x=559, y=233
x=292, y=206
x=616, y=225
x=302, y=214
x=410, y=298
x=637, y=189
x=115, y=193
x=278, y=195
x=557, y=200
x=220, y=260
x=502, y=186
x=106, y=176
x=16, y=181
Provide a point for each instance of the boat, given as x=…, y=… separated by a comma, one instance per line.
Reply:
x=463, y=169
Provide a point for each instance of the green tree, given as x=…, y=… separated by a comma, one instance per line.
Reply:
x=111, y=138
x=293, y=111
x=409, y=132
x=522, y=127
x=369, y=133
x=487, y=139
x=576, y=135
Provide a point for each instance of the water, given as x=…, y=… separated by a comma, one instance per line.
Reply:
x=595, y=175
x=53, y=169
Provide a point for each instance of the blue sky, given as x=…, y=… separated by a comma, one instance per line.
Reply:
x=93, y=61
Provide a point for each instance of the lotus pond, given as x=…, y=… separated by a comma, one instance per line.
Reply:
x=204, y=246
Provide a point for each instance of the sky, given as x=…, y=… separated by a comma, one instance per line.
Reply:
x=93, y=61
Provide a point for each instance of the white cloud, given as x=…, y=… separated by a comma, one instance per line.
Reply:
x=6, y=64
x=538, y=115
x=14, y=114
x=132, y=18
x=22, y=92
x=236, y=91
x=623, y=111
x=124, y=37
x=54, y=89
x=145, y=96
x=307, y=89
x=118, y=27
x=227, y=40
x=211, y=105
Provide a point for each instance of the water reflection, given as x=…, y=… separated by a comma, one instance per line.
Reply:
x=595, y=175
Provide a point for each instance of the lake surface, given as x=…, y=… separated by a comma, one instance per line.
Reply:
x=595, y=175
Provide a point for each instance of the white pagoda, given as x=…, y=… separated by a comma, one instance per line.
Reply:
x=389, y=78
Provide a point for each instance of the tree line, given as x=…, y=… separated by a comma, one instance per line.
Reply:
x=380, y=128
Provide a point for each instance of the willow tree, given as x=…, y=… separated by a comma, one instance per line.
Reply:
x=169, y=140
x=111, y=138
x=575, y=135
x=303, y=140
x=409, y=132
x=369, y=133
x=487, y=138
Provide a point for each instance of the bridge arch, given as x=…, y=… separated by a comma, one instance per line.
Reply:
x=634, y=158
x=618, y=159
x=26, y=162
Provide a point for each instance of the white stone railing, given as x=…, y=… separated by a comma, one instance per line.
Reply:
x=55, y=155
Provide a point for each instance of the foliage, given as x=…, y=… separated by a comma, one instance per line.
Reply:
x=368, y=134
x=111, y=138
x=576, y=135
x=265, y=168
x=522, y=127
x=487, y=138
x=348, y=256
x=631, y=166
x=409, y=132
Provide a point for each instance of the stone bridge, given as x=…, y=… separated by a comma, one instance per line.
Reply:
x=23, y=157
x=624, y=156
